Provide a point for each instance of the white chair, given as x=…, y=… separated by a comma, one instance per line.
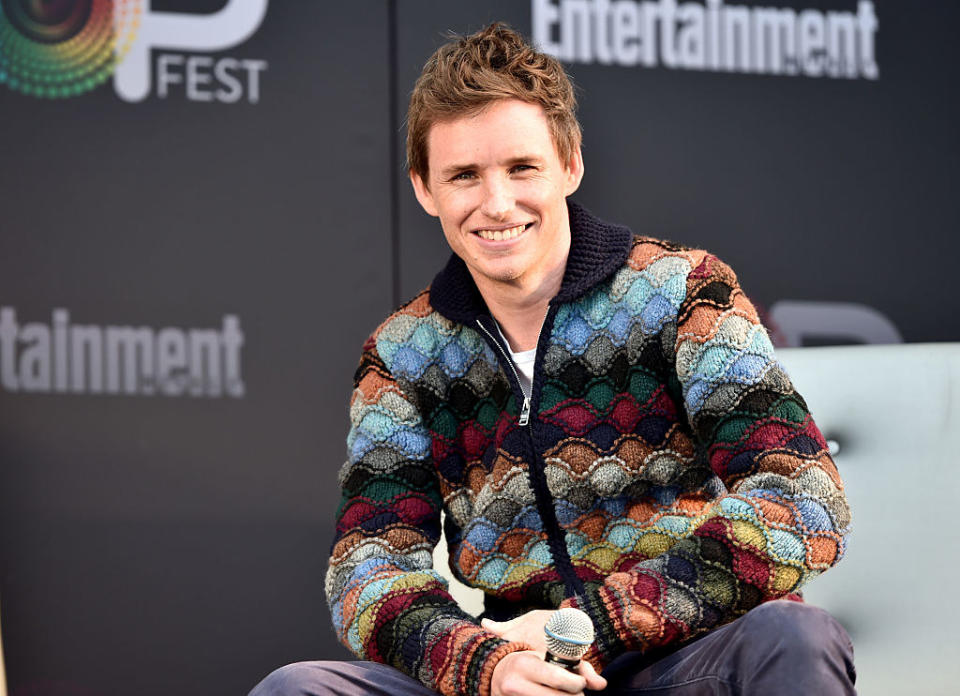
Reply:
x=894, y=412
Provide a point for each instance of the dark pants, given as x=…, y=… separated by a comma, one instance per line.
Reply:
x=777, y=648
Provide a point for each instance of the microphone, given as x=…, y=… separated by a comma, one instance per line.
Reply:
x=569, y=634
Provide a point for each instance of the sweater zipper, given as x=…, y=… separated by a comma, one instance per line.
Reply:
x=552, y=526
x=525, y=407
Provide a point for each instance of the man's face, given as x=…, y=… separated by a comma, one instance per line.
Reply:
x=498, y=186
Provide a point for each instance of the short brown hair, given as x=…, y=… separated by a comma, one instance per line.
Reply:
x=468, y=73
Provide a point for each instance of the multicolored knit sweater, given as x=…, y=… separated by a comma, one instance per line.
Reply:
x=669, y=478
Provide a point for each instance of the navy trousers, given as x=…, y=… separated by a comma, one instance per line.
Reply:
x=777, y=648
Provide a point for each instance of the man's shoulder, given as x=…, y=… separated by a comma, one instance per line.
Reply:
x=408, y=315
x=647, y=251
x=413, y=333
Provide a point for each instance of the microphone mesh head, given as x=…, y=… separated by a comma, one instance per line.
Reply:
x=569, y=633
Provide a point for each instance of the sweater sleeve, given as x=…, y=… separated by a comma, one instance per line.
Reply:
x=387, y=602
x=783, y=517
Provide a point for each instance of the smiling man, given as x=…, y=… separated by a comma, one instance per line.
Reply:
x=499, y=186
x=602, y=419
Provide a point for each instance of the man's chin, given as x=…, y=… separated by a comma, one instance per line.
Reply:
x=501, y=274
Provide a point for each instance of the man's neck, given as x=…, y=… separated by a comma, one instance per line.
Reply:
x=521, y=306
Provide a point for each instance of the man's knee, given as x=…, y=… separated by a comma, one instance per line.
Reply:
x=797, y=629
x=795, y=643
x=328, y=677
x=296, y=679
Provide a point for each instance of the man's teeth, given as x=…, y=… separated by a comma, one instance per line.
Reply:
x=500, y=235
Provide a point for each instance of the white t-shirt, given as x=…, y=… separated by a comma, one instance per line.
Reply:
x=524, y=361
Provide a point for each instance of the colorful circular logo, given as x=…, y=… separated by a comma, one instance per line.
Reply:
x=62, y=48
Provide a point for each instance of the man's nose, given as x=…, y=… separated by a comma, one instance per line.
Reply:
x=497, y=199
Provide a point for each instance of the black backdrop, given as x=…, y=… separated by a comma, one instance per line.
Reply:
x=177, y=544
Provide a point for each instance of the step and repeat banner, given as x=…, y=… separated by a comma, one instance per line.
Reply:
x=205, y=212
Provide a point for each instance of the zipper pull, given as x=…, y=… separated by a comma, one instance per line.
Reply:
x=525, y=412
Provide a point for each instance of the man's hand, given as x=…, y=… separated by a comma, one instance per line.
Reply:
x=526, y=628
x=525, y=673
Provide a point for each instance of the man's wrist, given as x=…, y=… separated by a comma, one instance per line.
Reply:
x=493, y=659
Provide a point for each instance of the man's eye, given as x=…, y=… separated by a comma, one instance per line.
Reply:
x=462, y=176
x=523, y=167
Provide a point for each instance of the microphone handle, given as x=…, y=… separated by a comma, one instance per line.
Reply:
x=568, y=664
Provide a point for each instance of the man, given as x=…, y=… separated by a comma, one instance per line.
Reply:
x=600, y=416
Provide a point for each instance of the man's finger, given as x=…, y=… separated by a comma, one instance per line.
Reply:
x=594, y=681
x=493, y=626
x=526, y=673
x=499, y=627
x=556, y=677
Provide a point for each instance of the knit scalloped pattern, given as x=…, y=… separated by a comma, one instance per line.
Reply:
x=687, y=476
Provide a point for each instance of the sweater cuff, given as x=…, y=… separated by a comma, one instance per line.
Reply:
x=471, y=674
x=486, y=672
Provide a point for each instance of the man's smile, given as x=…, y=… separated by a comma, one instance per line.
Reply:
x=503, y=234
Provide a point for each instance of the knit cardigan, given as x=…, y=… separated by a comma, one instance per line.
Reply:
x=669, y=479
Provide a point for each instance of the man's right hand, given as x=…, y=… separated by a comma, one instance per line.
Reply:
x=526, y=673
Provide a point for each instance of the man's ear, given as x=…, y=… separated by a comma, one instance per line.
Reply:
x=574, y=171
x=423, y=194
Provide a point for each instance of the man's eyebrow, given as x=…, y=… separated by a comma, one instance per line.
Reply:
x=520, y=159
x=455, y=169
